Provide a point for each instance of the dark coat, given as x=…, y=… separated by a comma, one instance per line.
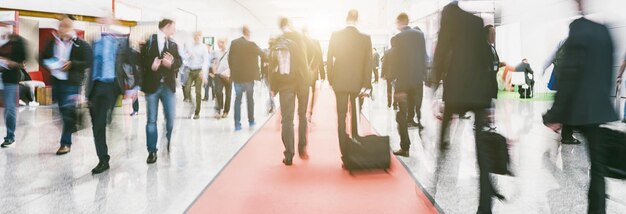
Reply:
x=243, y=59
x=408, y=63
x=152, y=79
x=462, y=60
x=585, y=77
x=81, y=58
x=349, y=61
x=14, y=50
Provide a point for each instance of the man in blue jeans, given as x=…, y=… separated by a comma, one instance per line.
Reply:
x=68, y=58
x=12, y=57
x=243, y=60
x=160, y=62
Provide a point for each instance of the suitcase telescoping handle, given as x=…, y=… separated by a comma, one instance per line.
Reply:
x=357, y=107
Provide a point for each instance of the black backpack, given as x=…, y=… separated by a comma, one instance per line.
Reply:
x=280, y=56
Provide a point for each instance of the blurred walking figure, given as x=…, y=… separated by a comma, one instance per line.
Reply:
x=407, y=71
x=12, y=58
x=316, y=66
x=583, y=100
x=160, y=61
x=68, y=58
x=462, y=59
x=223, y=84
x=211, y=82
x=111, y=75
x=619, y=82
x=197, y=60
x=243, y=60
x=349, y=67
x=375, y=64
x=290, y=78
x=385, y=74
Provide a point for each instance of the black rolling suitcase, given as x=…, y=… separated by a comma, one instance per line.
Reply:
x=369, y=152
x=496, y=151
x=616, y=152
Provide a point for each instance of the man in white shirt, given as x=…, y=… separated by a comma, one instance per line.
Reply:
x=197, y=60
x=222, y=80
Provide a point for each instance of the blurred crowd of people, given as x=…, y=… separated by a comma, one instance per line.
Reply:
x=464, y=65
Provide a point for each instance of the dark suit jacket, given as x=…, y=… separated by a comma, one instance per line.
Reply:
x=243, y=59
x=349, y=61
x=81, y=58
x=408, y=63
x=152, y=79
x=585, y=77
x=127, y=72
x=462, y=60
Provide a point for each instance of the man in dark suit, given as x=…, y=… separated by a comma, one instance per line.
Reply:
x=113, y=61
x=375, y=64
x=316, y=65
x=160, y=61
x=583, y=100
x=526, y=91
x=292, y=84
x=243, y=60
x=349, y=70
x=407, y=69
x=385, y=73
x=75, y=57
x=462, y=59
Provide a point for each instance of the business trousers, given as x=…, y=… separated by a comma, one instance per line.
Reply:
x=375, y=72
x=168, y=99
x=414, y=101
x=345, y=100
x=287, y=108
x=66, y=96
x=241, y=88
x=223, y=100
x=101, y=104
x=210, y=84
x=194, y=79
x=487, y=191
x=390, y=99
x=11, y=94
x=402, y=98
x=597, y=155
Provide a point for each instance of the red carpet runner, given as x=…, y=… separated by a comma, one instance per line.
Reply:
x=256, y=181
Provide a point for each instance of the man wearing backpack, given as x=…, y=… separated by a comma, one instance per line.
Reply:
x=289, y=76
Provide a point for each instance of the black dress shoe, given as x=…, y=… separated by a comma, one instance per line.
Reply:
x=572, y=141
x=100, y=168
x=402, y=152
x=64, y=150
x=288, y=161
x=152, y=158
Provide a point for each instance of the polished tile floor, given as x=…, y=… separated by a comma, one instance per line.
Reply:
x=34, y=180
x=549, y=178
